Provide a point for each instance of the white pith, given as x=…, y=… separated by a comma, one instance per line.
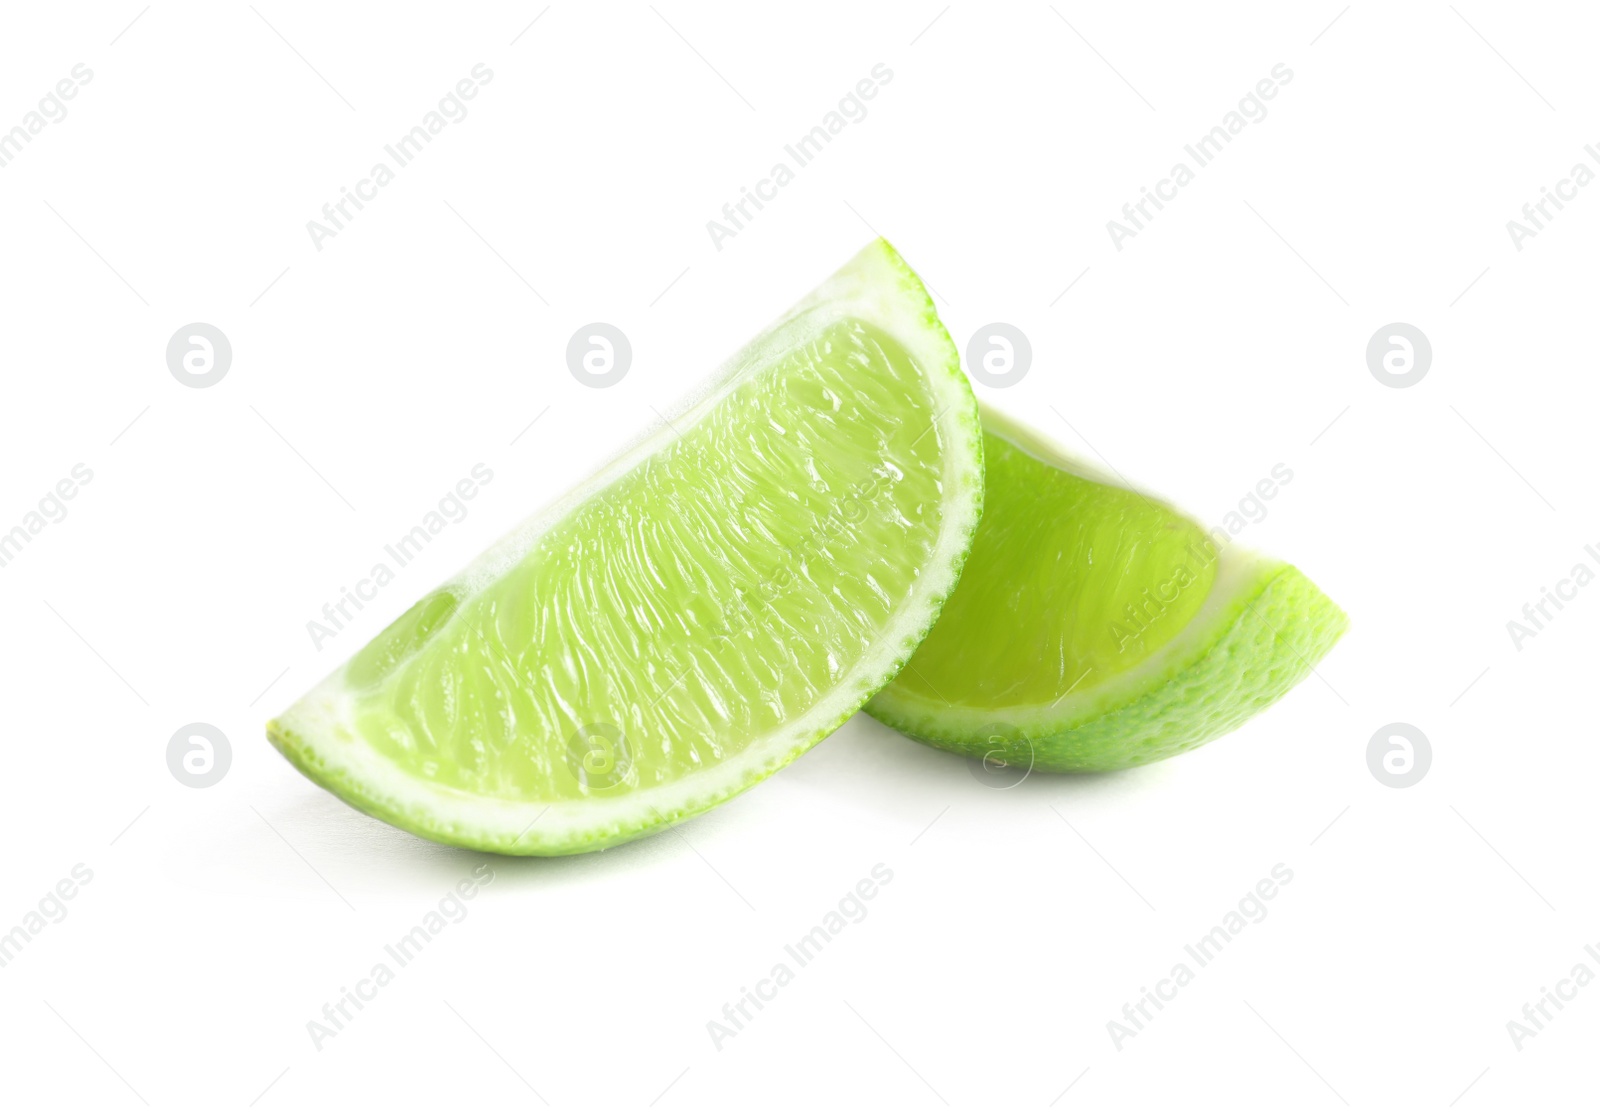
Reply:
x=319, y=730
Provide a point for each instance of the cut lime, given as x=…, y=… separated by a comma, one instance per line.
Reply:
x=1097, y=628
x=694, y=617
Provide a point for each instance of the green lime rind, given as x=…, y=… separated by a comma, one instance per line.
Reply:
x=322, y=734
x=425, y=821
x=1267, y=636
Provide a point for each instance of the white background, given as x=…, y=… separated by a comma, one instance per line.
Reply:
x=369, y=376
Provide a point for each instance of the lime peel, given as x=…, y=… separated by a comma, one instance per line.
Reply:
x=1106, y=685
x=458, y=722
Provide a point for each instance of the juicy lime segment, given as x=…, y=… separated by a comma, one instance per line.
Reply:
x=1097, y=628
x=715, y=591
x=1141, y=575
x=698, y=614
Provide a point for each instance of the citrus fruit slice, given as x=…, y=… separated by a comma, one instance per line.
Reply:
x=1097, y=628
x=703, y=610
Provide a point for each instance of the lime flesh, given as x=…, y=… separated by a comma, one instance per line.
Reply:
x=1097, y=628
x=697, y=615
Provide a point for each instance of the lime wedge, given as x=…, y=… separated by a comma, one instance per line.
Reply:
x=1097, y=628
x=698, y=614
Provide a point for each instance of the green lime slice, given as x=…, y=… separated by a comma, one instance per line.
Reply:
x=702, y=611
x=1097, y=628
